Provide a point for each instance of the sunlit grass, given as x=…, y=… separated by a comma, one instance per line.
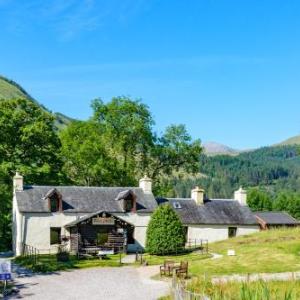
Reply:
x=258, y=290
x=268, y=251
x=49, y=263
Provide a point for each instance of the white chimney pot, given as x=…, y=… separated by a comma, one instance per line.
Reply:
x=197, y=194
x=241, y=196
x=146, y=184
x=18, y=182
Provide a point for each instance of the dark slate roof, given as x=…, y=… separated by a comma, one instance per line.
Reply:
x=82, y=199
x=276, y=218
x=216, y=212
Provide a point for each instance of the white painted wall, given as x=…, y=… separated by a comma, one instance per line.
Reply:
x=214, y=233
x=140, y=222
x=16, y=227
x=36, y=229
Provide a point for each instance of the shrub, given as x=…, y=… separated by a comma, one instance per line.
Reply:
x=165, y=233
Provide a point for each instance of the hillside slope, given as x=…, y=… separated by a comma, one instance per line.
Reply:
x=295, y=140
x=268, y=251
x=9, y=89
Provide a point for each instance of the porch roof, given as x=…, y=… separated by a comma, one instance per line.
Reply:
x=88, y=216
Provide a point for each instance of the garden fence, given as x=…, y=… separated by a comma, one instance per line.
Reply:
x=30, y=253
x=179, y=291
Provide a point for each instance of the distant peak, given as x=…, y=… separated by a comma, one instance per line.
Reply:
x=214, y=148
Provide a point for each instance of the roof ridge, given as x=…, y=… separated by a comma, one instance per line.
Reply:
x=84, y=187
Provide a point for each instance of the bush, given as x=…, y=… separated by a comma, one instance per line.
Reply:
x=165, y=233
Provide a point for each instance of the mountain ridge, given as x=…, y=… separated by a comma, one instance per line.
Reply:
x=10, y=89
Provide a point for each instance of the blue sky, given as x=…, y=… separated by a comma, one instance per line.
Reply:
x=229, y=70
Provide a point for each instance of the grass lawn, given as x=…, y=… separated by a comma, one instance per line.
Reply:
x=159, y=260
x=270, y=251
x=48, y=263
x=258, y=290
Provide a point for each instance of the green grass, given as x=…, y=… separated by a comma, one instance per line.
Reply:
x=49, y=263
x=191, y=257
x=263, y=252
x=9, y=90
x=258, y=290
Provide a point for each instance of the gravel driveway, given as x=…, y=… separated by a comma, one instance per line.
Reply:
x=96, y=283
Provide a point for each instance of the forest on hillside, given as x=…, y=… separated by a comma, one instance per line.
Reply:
x=118, y=145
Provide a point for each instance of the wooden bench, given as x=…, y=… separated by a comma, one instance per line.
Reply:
x=182, y=269
x=167, y=268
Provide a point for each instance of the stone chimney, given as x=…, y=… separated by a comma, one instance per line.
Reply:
x=18, y=182
x=146, y=184
x=241, y=196
x=197, y=194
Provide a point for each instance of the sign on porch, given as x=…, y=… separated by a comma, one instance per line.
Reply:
x=103, y=221
x=5, y=269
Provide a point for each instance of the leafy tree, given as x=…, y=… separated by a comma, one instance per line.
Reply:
x=29, y=144
x=288, y=201
x=87, y=161
x=126, y=126
x=28, y=141
x=165, y=233
x=259, y=200
x=117, y=146
x=174, y=151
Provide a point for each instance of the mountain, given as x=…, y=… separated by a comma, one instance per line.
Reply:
x=9, y=89
x=295, y=140
x=213, y=148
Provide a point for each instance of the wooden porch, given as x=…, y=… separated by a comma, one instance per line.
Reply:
x=98, y=233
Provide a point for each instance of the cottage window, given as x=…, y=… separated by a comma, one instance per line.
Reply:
x=232, y=232
x=129, y=205
x=55, y=235
x=54, y=202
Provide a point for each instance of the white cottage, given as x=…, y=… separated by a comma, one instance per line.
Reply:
x=46, y=217
x=214, y=219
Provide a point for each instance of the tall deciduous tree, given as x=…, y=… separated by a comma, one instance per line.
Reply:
x=29, y=144
x=87, y=160
x=117, y=146
x=28, y=141
x=174, y=151
x=126, y=126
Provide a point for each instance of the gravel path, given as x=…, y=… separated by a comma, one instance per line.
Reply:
x=96, y=283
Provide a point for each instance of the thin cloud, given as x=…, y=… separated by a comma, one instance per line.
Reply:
x=68, y=18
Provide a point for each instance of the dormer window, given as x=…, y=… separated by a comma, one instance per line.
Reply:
x=54, y=203
x=127, y=200
x=129, y=204
x=54, y=200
